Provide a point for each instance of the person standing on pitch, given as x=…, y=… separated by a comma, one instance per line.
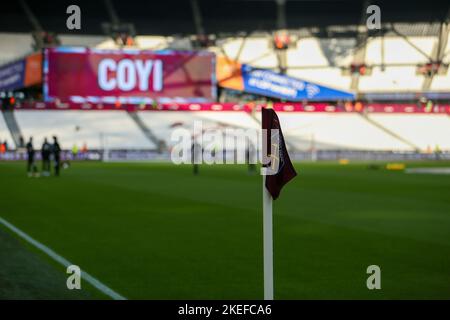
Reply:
x=56, y=149
x=250, y=155
x=74, y=151
x=196, y=153
x=46, y=151
x=31, y=166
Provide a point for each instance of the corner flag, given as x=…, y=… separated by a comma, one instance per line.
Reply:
x=281, y=164
x=278, y=171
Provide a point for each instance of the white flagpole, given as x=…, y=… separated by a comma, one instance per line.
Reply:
x=268, y=242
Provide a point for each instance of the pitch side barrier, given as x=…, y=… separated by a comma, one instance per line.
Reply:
x=359, y=155
x=122, y=155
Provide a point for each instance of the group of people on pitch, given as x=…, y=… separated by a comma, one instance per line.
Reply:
x=49, y=152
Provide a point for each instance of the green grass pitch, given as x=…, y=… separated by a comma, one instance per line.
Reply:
x=155, y=231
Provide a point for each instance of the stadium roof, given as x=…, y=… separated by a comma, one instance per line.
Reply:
x=171, y=17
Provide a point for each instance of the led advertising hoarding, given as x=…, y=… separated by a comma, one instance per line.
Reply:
x=128, y=76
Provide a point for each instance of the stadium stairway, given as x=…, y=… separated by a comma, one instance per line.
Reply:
x=426, y=131
x=163, y=123
x=13, y=126
x=5, y=134
x=148, y=133
x=389, y=132
x=336, y=131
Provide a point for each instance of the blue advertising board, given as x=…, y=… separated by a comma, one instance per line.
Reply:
x=12, y=75
x=272, y=84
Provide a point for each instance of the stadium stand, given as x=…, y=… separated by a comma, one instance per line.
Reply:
x=325, y=76
x=425, y=131
x=5, y=133
x=393, y=58
x=322, y=53
x=18, y=46
x=164, y=122
x=98, y=129
x=336, y=131
x=305, y=130
x=255, y=51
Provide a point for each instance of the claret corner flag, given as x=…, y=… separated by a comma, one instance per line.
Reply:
x=278, y=170
x=281, y=163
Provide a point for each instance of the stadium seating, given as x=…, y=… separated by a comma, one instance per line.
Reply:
x=163, y=123
x=313, y=59
x=442, y=82
x=322, y=60
x=303, y=131
x=336, y=131
x=254, y=50
x=18, y=46
x=4, y=132
x=318, y=60
x=425, y=131
x=82, y=41
x=327, y=76
x=98, y=129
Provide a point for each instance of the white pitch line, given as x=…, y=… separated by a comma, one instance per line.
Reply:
x=445, y=170
x=52, y=254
